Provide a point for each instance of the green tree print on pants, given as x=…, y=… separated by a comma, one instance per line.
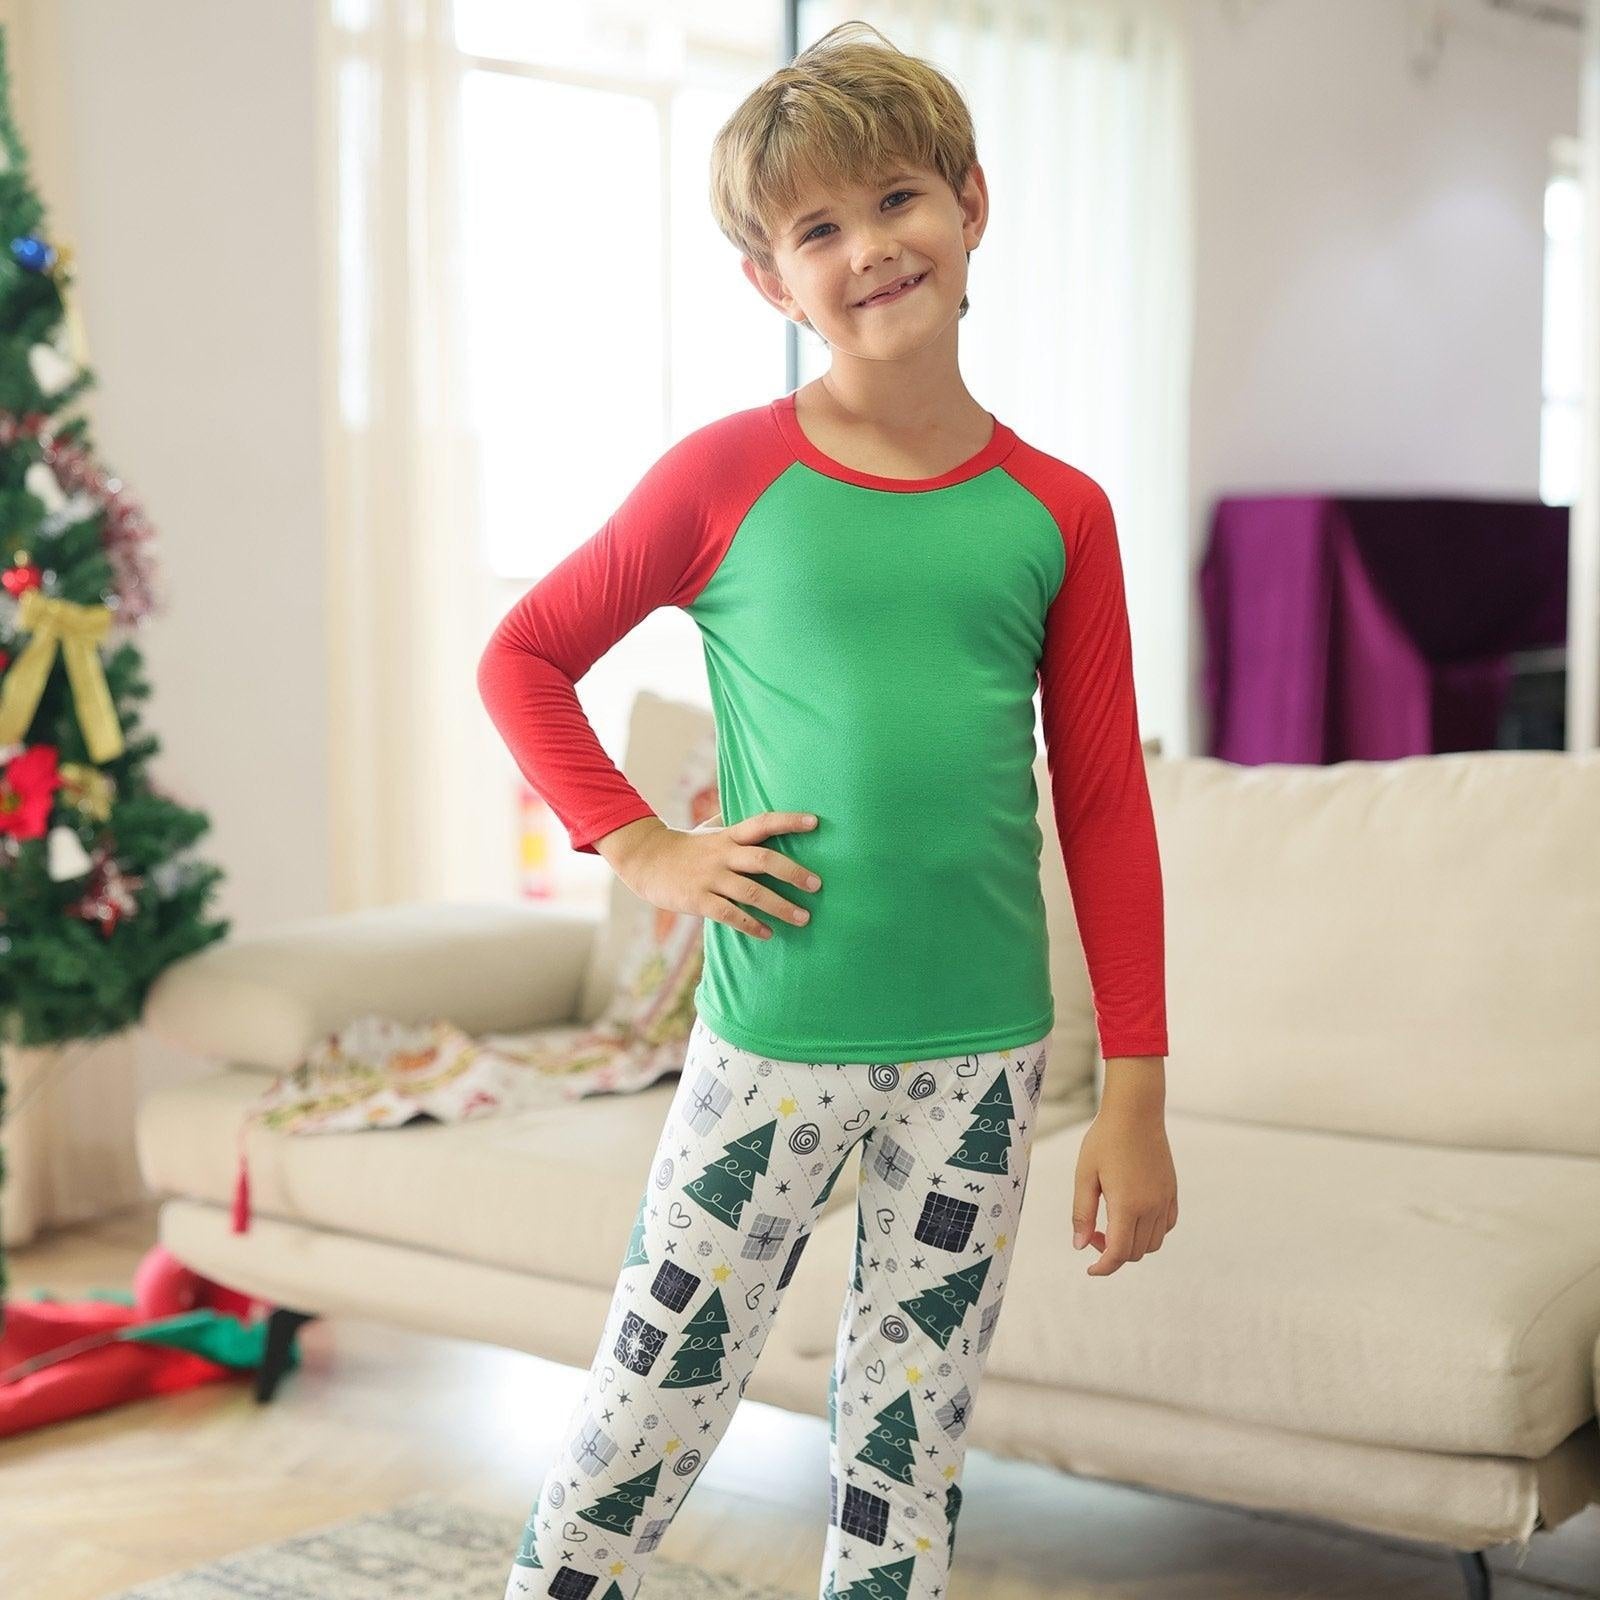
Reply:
x=888, y=1446
x=618, y=1511
x=637, y=1255
x=527, y=1551
x=882, y=1583
x=698, y=1358
x=988, y=1138
x=939, y=1310
x=727, y=1183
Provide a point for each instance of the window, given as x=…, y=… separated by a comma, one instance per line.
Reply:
x=606, y=314
x=1560, y=437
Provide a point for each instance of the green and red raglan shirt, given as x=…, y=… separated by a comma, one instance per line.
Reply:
x=872, y=647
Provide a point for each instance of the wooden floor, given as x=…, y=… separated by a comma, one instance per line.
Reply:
x=373, y=1415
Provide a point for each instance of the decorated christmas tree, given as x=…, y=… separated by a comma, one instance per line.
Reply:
x=882, y=1583
x=618, y=1511
x=698, y=1358
x=528, y=1550
x=987, y=1144
x=888, y=1446
x=637, y=1255
x=729, y=1181
x=94, y=898
x=939, y=1310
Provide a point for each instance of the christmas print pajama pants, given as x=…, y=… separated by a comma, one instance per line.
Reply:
x=749, y=1152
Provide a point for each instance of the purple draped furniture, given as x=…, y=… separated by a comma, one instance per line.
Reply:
x=1354, y=627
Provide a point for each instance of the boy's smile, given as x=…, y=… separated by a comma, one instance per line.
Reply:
x=894, y=290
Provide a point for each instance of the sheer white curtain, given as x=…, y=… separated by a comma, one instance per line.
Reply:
x=511, y=284
x=407, y=582
x=1079, y=330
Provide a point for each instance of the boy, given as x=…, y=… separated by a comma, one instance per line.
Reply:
x=882, y=573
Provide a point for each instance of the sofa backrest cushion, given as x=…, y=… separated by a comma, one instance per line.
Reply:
x=671, y=744
x=1407, y=948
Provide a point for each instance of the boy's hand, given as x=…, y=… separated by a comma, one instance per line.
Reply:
x=1125, y=1156
x=709, y=872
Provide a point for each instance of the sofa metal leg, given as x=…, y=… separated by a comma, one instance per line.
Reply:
x=1474, y=1573
x=282, y=1325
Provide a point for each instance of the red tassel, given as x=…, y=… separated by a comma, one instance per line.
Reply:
x=241, y=1190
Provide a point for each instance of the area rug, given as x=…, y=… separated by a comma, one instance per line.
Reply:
x=425, y=1548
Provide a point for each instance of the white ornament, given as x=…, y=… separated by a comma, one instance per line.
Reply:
x=78, y=508
x=169, y=877
x=51, y=370
x=44, y=486
x=66, y=856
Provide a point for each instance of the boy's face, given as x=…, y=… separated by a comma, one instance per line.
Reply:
x=865, y=237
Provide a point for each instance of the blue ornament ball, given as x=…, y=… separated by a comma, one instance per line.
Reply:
x=33, y=253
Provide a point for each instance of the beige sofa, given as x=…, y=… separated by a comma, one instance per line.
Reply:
x=1382, y=1301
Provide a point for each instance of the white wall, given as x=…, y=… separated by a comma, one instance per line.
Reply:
x=1367, y=316
x=181, y=160
x=1369, y=251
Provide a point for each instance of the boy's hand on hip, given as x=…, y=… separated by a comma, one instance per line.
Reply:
x=1125, y=1157
x=710, y=872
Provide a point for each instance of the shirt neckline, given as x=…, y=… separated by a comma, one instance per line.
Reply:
x=1001, y=439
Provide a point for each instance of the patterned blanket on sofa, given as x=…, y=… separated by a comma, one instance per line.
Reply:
x=378, y=1072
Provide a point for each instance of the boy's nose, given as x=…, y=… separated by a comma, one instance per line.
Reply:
x=876, y=250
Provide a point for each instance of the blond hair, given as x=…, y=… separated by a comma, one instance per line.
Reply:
x=843, y=111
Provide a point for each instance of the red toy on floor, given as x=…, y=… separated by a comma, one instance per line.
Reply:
x=61, y=1359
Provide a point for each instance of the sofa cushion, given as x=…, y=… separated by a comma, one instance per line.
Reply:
x=263, y=1000
x=1357, y=1289
x=552, y=1191
x=1403, y=948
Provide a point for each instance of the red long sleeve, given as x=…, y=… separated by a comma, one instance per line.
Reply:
x=1099, y=791
x=657, y=548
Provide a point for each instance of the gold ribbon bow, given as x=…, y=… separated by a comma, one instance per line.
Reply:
x=78, y=630
x=87, y=788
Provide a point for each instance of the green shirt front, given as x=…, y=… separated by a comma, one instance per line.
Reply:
x=873, y=646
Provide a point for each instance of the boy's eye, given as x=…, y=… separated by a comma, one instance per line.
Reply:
x=910, y=194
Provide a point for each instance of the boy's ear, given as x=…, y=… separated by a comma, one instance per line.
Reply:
x=974, y=202
x=770, y=287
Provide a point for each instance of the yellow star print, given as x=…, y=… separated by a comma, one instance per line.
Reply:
x=1000, y=1243
x=950, y=1471
x=788, y=1107
x=672, y=1446
x=922, y=1544
x=615, y=1568
x=913, y=1374
x=721, y=1273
